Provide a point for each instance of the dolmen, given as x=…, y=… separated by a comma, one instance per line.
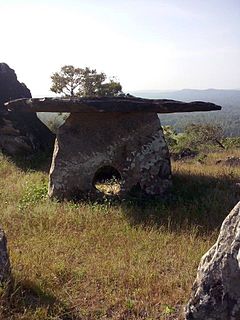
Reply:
x=109, y=136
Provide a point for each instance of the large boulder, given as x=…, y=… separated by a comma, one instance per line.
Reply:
x=20, y=133
x=10, y=87
x=216, y=291
x=4, y=259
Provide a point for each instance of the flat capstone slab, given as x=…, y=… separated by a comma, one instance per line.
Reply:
x=108, y=104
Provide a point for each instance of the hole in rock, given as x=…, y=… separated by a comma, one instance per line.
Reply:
x=107, y=180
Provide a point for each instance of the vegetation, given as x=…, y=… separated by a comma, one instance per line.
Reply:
x=197, y=138
x=129, y=260
x=228, y=118
x=79, y=82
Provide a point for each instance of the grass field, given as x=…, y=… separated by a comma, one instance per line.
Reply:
x=129, y=260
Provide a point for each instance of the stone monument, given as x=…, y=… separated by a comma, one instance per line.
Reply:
x=109, y=136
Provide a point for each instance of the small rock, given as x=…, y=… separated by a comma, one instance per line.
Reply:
x=230, y=161
x=216, y=291
x=184, y=154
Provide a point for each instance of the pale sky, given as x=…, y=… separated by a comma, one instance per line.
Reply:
x=146, y=44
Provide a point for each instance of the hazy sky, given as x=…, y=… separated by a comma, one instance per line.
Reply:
x=151, y=44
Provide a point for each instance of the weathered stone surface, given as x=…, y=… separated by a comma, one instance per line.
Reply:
x=216, y=291
x=133, y=144
x=4, y=258
x=109, y=104
x=20, y=133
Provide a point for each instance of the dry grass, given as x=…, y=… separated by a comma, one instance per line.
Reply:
x=125, y=260
x=109, y=187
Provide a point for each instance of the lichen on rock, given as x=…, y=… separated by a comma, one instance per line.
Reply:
x=131, y=144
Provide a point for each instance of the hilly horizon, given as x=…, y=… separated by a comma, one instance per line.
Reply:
x=228, y=118
x=218, y=96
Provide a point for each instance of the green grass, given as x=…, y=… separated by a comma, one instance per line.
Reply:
x=126, y=260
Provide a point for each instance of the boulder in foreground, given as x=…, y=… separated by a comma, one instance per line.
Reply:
x=216, y=291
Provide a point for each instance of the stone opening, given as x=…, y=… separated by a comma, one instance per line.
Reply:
x=107, y=180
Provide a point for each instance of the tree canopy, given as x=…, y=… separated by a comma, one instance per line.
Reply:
x=201, y=134
x=79, y=82
x=195, y=136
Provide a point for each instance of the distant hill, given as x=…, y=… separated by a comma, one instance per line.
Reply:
x=228, y=117
x=218, y=96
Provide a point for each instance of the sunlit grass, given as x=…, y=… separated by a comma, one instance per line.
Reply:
x=129, y=260
x=109, y=187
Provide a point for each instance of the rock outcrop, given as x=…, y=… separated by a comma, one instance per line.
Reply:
x=10, y=87
x=4, y=259
x=216, y=291
x=20, y=133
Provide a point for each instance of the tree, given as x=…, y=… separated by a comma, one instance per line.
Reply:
x=78, y=82
x=170, y=136
x=202, y=134
x=196, y=137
